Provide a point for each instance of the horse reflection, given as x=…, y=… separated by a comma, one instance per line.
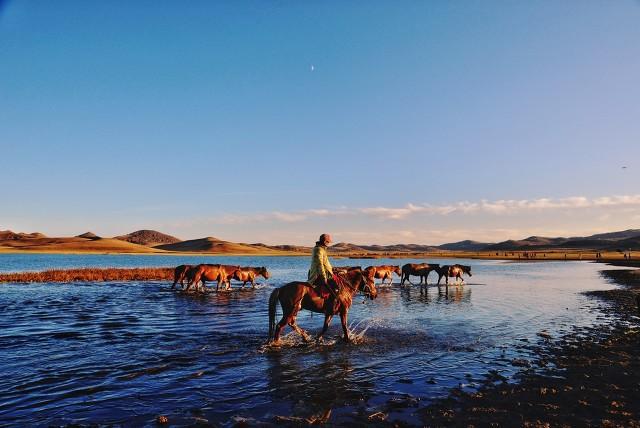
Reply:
x=454, y=294
x=311, y=383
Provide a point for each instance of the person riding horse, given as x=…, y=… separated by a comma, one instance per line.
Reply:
x=321, y=275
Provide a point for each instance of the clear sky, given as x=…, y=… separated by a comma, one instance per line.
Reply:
x=274, y=121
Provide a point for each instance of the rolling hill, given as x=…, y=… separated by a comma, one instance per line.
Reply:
x=72, y=244
x=149, y=238
x=217, y=246
x=466, y=245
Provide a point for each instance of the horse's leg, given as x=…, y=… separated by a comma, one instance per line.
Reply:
x=194, y=280
x=325, y=326
x=296, y=327
x=286, y=314
x=279, y=327
x=345, y=329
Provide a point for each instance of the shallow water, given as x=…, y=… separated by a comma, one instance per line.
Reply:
x=128, y=352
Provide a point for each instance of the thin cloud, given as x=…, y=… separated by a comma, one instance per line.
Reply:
x=498, y=207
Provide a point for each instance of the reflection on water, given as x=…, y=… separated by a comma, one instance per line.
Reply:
x=127, y=352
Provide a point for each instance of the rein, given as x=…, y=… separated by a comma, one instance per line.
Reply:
x=345, y=282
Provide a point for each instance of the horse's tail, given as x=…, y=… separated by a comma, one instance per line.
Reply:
x=273, y=302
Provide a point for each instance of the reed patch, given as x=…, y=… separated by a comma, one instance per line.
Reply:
x=90, y=275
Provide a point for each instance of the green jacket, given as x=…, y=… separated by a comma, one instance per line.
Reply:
x=320, y=266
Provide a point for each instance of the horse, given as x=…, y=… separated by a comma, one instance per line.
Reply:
x=343, y=269
x=220, y=273
x=382, y=272
x=422, y=270
x=248, y=274
x=455, y=271
x=302, y=295
x=180, y=273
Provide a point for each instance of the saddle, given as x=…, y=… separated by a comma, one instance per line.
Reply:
x=324, y=290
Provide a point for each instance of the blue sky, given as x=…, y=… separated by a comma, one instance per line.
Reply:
x=381, y=122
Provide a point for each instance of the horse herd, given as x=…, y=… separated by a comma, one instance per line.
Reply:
x=223, y=274
x=297, y=295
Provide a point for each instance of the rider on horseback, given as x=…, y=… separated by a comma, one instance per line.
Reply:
x=321, y=275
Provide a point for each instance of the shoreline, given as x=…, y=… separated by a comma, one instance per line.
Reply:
x=510, y=256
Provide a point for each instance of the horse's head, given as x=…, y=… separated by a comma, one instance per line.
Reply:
x=467, y=269
x=367, y=285
x=264, y=272
x=369, y=272
x=397, y=270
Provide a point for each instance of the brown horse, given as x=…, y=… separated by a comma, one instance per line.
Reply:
x=422, y=270
x=220, y=273
x=453, y=271
x=301, y=295
x=345, y=269
x=248, y=274
x=181, y=273
x=382, y=272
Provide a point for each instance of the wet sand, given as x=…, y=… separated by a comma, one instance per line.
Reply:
x=591, y=377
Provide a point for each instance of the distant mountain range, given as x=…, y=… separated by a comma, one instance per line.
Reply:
x=626, y=239
x=142, y=241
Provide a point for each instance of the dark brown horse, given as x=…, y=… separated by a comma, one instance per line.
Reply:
x=301, y=295
x=420, y=269
x=345, y=269
x=181, y=273
x=220, y=273
x=249, y=274
x=453, y=271
x=382, y=272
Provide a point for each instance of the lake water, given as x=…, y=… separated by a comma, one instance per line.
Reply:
x=126, y=352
